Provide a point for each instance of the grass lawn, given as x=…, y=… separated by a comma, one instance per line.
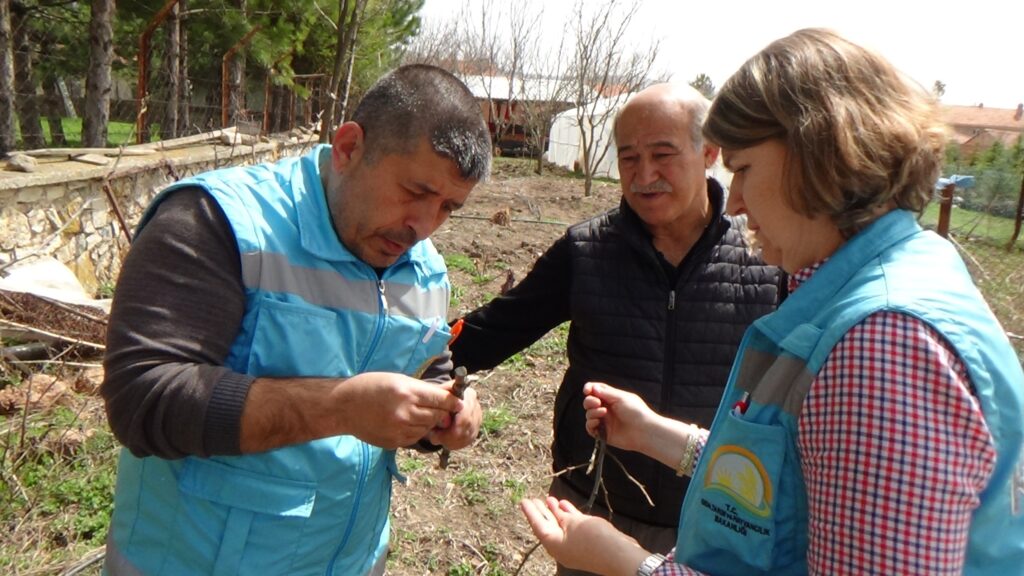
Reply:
x=965, y=223
x=118, y=133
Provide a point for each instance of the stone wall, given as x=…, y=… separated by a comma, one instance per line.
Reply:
x=70, y=211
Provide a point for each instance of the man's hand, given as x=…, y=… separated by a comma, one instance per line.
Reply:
x=381, y=408
x=579, y=541
x=463, y=427
x=393, y=410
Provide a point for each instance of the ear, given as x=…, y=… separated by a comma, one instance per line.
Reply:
x=347, y=146
x=710, y=155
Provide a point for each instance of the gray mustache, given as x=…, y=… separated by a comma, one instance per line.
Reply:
x=658, y=186
x=403, y=236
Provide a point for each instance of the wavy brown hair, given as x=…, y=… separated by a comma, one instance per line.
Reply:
x=861, y=137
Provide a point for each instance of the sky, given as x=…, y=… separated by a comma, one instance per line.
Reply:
x=975, y=47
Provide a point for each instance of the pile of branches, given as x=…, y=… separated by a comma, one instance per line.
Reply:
x=34, y=327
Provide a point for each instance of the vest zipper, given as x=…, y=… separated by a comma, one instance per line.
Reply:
x=668, y=368
x=383, y=298
x=364, y=466
x=382, y=318
x=363, y=471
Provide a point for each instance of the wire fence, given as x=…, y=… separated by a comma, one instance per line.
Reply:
x=999, y=275
x=265, y=108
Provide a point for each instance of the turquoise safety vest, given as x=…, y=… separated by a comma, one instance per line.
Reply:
x=312, y=309
x=746, y=509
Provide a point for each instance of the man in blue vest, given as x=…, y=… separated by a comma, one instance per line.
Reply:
x=272, y=338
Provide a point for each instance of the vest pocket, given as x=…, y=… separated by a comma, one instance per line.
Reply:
x=736, y=502
x=303, y=331
x=242, y=521
x=431, y=341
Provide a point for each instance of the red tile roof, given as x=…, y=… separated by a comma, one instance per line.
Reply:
x=977, y=117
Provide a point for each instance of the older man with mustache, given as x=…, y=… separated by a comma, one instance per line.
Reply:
x=658, y=291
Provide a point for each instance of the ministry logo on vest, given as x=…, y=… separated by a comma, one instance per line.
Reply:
x=739, y=474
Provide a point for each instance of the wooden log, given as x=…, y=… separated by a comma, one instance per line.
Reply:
x=71, y=152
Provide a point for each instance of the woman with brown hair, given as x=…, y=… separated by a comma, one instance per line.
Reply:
x=874, y=423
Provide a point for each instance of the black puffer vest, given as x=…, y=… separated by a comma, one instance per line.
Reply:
x=672, y=344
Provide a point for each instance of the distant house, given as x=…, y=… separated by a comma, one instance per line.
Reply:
x=976, y=128
x=564, y=141
x=504, y=107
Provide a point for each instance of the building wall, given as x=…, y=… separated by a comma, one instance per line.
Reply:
x=67, y=211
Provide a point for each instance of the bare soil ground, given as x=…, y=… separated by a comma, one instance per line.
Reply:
x=464, y=519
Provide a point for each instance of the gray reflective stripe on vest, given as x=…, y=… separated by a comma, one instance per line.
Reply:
x=274, y=273
x=781, y=381
x=378, y=569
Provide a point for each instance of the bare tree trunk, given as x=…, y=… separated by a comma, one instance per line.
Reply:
x=185, y=86
x=27, y=103
x=53, y=106
x=236, y=89
x=172, y=85
x=7, y=140
x=354, y=24
x=278, y=108
x=236, y=80
x=539, y=170
x=327, y=120
x=602, y=67
x=97, y=81
x=1017, y=217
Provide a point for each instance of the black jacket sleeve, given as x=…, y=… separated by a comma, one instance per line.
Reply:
x=521, y=316
x=177, y=308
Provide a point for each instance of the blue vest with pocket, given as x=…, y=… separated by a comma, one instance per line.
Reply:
x=746, y=509
x=312, y=310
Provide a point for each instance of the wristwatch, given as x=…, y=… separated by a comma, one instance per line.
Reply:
x=650, y=564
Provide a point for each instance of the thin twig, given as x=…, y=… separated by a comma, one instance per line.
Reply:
x=596, y=464
x=526, y=557
x=91, y=558
x=600, y=449
x=570, y=469
x=52, y=335
x=960, y=248
x=631, y=478
x=61, y=362
x=523, y=220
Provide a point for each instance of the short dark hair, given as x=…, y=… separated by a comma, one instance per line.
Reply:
x=421, y=101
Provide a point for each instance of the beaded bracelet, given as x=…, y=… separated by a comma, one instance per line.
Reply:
x=686, y=463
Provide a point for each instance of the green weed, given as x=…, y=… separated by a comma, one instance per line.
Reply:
x=456, y=298
x=495, y=420
x=463, y=568
x=460, y=262
x=473, y=484
x=516, y=489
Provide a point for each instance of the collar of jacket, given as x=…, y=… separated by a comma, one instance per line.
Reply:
x=316, y=227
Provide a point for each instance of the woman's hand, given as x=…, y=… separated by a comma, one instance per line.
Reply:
x=579, y=541
x=623, y=416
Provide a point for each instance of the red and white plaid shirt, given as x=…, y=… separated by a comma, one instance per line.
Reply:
x=894, y=451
